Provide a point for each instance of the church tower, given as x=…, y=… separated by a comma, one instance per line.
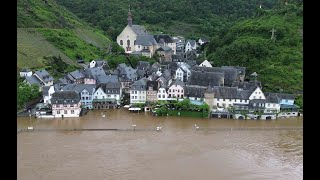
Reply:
x=129, y=17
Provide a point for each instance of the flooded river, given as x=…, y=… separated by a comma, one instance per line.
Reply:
x=178, y=151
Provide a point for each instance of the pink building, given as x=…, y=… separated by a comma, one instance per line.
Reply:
x=176, y=90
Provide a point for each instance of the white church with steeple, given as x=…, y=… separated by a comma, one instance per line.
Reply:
x=136, y=39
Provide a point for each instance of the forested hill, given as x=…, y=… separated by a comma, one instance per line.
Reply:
x=47, y=29
x=277, y=59
x=183, y=17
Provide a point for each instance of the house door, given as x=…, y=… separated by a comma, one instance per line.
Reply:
x=128, y=48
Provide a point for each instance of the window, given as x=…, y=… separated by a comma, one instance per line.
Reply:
x=65, y=112
x=178, y=90
x=87, y=98
x=121, y=42
x=134, y=42
x=259, y=97
x=178, y=96
x=109, y=95
x=128, y=42
x=169, y=90
x=218, y=104
x=58, y=112
x=274, y=105
x=163, y=91
x=255, y=92
x=82, y=98
x=254, y=97
x=181, y=91
x=286, y=100
x=102, y=97
x=181, y=96
x=72, y=111
x=163, y=96
x=254, y=104
x=159, y=96
x=115, y=96
x=139, y=46
x=132, y=97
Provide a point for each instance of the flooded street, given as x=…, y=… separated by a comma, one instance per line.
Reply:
x=178, y=151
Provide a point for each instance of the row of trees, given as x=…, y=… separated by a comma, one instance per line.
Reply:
x=184, y=105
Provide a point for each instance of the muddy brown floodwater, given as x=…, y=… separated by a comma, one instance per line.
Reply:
x=178, y=151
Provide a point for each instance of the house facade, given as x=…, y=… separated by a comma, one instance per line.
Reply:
x=107, y=96
x=176, y=90
x=162, y=94
x=152, y=89
x=66, y=104
x=190, y=45
x=138, y=92
x=47, y=92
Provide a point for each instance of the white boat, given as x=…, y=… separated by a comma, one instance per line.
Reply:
x=126, y=106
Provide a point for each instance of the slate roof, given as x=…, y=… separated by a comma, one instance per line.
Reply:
x=164, y=48
x=139, y=85
x=153, y=84
x=230, y=73
x=63, y=80
x=243, y=94
x=112, y=87
x=272, y=98
x=194, y=91
x=141, y=73
x=166, y=74
x=223, y=92
x=139, y=30
x=251, y=86
x=44, y=75
x=172, y=66
x=33, y=80
x=192, y=42
x=143, y=65
x=279, y=96
x=100, y=63
x=206, y=78
x=80, y=87
x=145, y=40
x=93, y=72
x=177, y=82
x=241, y=70
x=163, y=38
x=107, y=78
x=65, y=97
x=77, y=74
x=25, y=70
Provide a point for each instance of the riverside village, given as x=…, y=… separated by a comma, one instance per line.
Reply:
x=174, y=86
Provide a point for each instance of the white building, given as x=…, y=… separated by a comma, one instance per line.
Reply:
x=190, y=45
x=162, y=94
x=205, y=63
x=66, y=104
x=138, y=92
x=25, y=72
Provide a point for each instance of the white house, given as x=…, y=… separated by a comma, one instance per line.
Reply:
x=66, y=104
x=25, y=72
x=205, y=63
x=138, y=92
x=106, y=95
x=190, y=45
x=162, y=94
x=183, y=73
x=47, y=92
x=257, y=94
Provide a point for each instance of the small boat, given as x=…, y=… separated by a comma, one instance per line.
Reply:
x=126, y=106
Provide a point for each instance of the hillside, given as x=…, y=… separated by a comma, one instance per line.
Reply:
x=195, y=17
x=277, y=59
x=48, y=29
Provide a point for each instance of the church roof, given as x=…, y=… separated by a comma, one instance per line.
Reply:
x=139, y=30
x=145, y=40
